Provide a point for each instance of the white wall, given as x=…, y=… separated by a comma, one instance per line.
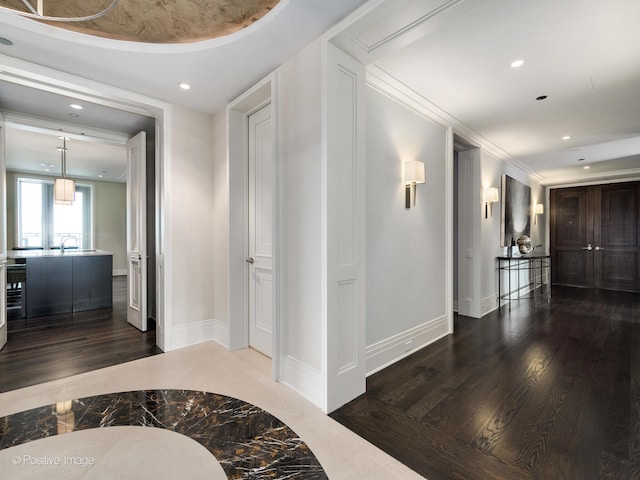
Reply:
x=110, y=233
x=301, y=150
x=190, y=209
x=405, y=247
x=220, y=220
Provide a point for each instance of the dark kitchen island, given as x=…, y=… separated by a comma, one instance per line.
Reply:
x=63, y=282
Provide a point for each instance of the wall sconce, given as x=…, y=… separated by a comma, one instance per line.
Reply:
x=413, y=173
x=491, y=195
x=538, y=210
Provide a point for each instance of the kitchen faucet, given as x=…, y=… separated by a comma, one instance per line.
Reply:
x=64, y=239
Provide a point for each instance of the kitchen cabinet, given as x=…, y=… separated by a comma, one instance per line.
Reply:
x=66, y=282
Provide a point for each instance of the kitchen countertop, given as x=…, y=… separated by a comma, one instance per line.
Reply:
x=55, y=253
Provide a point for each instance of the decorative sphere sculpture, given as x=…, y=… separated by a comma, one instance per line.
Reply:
x=524, y=245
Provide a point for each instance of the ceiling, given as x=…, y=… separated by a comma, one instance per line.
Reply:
x=153, y=21
x=455, y=57
x=452, y=57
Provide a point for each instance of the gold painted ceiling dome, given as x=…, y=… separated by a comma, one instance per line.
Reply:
x=149, y=21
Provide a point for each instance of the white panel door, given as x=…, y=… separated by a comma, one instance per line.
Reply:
x=137, y=232
x=3, y=239
x=260, y=255
x=469, y=218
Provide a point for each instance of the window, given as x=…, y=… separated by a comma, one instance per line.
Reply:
x=43, y=224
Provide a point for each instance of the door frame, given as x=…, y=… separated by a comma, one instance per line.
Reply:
x=49, y=80
x=3, y=236
x=238, y=112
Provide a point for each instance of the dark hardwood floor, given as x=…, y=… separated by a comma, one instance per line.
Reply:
x=547, y=393
x=49, y=348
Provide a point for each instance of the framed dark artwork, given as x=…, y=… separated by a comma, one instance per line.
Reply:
x=516, y=210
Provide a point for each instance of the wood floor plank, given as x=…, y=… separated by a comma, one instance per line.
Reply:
x=50, y=348
x=539, y=393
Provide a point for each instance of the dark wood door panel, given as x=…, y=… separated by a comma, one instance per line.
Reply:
x=573, y=223
x=571, y=268
x=595, y=236
x=571, y=236
x=616, y=236
x=616, y=216
x=618, y=270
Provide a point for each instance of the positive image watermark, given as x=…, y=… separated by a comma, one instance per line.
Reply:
x=53, y=461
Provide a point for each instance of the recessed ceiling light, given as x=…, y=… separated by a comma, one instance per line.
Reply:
x=74, y=115
x=517, y=63
x=75, y=106
x=581, y=159
x=567, y=137
x=5, y=41
x=586, y=167
x=541, y=97
x=184, y=86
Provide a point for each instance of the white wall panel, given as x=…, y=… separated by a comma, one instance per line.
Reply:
x=345, y=229
x=192, y=223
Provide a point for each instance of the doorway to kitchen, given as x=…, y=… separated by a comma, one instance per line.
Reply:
x=67, y=344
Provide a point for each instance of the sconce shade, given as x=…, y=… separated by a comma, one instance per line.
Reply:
x=492, y=195
x=64, y=191
x=539, y=210
x=413, y=172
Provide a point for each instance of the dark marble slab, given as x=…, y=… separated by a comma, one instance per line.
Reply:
x=247, y=441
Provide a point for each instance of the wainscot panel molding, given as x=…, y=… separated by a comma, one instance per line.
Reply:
x=192, y=333
x=304, y=379
x=388, y=351
x=377, y=29
x=344, y=194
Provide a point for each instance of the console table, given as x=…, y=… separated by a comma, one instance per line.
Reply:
x=536, y=285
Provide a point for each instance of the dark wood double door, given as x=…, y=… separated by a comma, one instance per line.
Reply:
x=595, y=236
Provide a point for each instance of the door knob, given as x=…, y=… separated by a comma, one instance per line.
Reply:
x=250, y=260
x=599, y=248
x=588, y=247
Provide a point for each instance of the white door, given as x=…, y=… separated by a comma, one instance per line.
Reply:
x=3, y=240
x=137, y=232
x=470, y=215
x=260, y=255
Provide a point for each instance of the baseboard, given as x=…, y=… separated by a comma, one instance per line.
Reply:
x=455, y=305
x=192, y=333
x=388, y=351
x=302, y=378
x=489, y=304
x=221, y=333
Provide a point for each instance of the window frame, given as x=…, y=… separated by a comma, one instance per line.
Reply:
x=88, y=224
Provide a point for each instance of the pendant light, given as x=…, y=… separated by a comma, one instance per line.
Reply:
x=64, y=189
